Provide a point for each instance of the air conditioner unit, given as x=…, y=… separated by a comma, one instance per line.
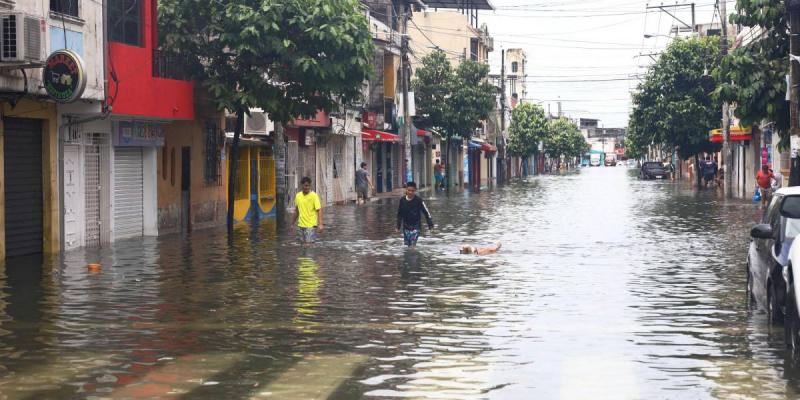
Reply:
x=257, y=123
x=21, y=38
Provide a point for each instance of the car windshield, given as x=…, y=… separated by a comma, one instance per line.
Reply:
x=652, y=165
x=792, y=228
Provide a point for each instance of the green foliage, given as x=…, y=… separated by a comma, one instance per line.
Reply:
x=565, y=139
x=452, y=102
x=529, y=126
x=674, y=107
x=753, y=76
x=431, y=89
x=288, y=57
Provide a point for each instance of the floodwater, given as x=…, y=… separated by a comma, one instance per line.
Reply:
x=606, y=288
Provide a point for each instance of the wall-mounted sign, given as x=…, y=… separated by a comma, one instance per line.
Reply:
x=64, y=76
x=138, y=134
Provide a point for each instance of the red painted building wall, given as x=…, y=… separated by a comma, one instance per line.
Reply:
x=138, y=92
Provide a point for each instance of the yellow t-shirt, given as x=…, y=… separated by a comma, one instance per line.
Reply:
x=307, y=205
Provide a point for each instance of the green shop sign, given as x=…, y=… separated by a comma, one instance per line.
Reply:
x=64, y=76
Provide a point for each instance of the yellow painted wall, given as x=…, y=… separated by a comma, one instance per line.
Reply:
x=266, y=179
x=241, y=191
x=45, y=111
x=208, y=199
x=449, y=30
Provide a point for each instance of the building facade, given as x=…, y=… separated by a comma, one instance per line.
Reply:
x=33, y=124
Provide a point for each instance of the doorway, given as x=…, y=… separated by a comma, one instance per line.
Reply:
x=186, y=184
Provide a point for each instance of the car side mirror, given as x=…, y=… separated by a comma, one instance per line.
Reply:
x=761, y=231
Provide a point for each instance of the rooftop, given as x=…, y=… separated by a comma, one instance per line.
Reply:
x=460, y=4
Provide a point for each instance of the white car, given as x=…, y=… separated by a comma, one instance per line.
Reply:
x=791, y=322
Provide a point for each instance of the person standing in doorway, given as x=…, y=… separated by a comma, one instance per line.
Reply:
x=307, y=214
x=409, y=215
x=709, y=169
x=363, y=184
x=438, y=174
x=764, y=180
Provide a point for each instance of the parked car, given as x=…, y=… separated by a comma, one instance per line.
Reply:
x=789, y=200
x=652, y=170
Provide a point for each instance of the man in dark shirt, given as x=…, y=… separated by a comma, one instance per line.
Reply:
x=408, y=215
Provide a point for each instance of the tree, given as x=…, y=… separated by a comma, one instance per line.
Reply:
x=753, y=75
x=529, y=127
x=452, y=102
x=564, y=139
x=673, y=108
x=288, y=57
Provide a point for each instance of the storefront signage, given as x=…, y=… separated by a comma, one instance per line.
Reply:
x=138, y=134
x=64, y=76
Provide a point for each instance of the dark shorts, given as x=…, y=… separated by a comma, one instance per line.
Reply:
x=363, y=192
x=306, y=235
x=410, y=237
x=708, y=178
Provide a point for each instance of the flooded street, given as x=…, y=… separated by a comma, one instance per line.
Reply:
x=606, y=287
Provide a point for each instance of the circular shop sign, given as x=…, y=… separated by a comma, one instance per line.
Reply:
x=64, y=76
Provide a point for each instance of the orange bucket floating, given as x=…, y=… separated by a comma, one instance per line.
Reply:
x=94, y=267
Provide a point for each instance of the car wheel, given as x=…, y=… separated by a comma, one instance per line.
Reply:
x=773, y=308
x=791, y=328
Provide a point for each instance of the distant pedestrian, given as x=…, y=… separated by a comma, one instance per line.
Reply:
x=409, y=215
x=363, y=184
x=764, y=183
x=438, y=175
x=307, y=214
x=777, y=180
x=709, y=170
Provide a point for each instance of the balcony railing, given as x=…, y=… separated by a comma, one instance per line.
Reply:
x=169, y=65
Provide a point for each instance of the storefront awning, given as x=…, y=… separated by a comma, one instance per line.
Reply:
x=738, y=133
x=378, y=136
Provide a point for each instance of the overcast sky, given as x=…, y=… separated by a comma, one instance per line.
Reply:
x=585, y=52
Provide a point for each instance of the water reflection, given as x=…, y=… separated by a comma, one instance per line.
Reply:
x=606, y=287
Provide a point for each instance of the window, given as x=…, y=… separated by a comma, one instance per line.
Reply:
x=125, y=21
x=164, y=162
x=514, y=67
x=212, y=153
x=67, y=7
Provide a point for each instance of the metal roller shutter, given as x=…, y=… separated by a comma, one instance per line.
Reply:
x=23, y=181
x=128, y=196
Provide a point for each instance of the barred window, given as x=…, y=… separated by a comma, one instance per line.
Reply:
x=211, y=150
x=125, y=21
x=67, y=7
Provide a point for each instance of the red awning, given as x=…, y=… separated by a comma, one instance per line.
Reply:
x=488, y=148
x=738, y=133
x=378, y=136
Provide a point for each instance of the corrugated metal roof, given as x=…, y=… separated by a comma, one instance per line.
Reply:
x=459, y=4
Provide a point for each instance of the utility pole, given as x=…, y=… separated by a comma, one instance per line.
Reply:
x=727, y=154
x=502, y=155
x=404, y=75
x=793, y=7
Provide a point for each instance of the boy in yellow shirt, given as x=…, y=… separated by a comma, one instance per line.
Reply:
x=307, y=214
